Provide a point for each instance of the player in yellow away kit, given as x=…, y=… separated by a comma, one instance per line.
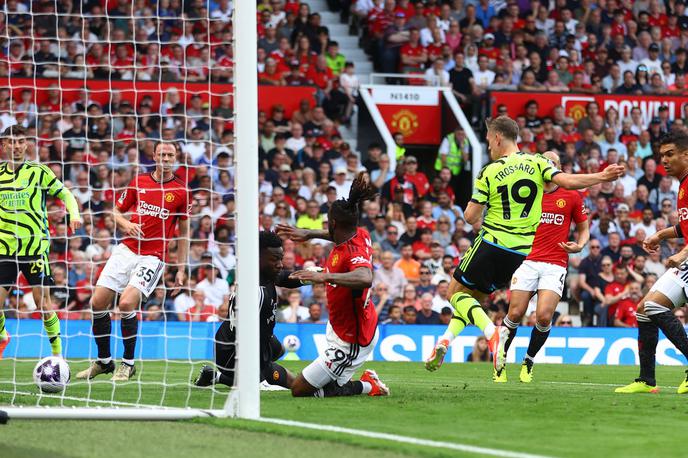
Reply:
x=509, y=193
x=24, y=239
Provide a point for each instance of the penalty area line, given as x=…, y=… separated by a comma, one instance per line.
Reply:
x=404, y=439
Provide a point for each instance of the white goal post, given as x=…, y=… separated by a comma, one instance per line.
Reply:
x=244, y=399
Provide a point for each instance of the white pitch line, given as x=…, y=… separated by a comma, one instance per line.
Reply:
x=404, y=439
x=85, y=400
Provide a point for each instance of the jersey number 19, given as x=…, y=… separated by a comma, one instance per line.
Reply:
x=528, y=200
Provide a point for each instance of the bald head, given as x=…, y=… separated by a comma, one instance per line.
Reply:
x=552, y=156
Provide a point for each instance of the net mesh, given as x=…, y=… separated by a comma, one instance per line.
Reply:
x=96, y=84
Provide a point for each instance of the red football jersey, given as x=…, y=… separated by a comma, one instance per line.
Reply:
x=614, y=289
x=559, y=208
x=158, y=206
x=682, y=206
x=625, y=312
x=352, y=313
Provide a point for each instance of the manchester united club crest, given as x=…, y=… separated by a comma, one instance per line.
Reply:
x=405, y=121
x=561, y=203
x=169, y=197
x=335, y=259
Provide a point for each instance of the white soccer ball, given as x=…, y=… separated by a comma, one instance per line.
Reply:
x=291, y=343
x=51, y=374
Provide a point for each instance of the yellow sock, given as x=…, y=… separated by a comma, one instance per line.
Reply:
x=470, y=310
x=52, y=328
x=3, y=331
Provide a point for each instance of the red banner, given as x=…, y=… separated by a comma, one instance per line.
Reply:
x=414, y=111
x=134, y=91
x=574, y=104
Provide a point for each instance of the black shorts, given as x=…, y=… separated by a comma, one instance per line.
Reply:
x=225, y=353
x=486, y=267
x=36, y=269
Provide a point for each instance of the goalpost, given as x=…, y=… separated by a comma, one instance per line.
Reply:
x=165, y=391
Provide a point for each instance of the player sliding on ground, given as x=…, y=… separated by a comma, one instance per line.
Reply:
x=352, y=328
x=271, y=275
x=654, y=311
x=544, y=269
x=511, y=189
x=24, y=243
x=158, y=200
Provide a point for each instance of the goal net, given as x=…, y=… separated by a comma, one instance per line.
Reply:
x=95, y=85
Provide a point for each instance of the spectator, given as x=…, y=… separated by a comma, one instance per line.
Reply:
x=441, y=299
x=409, y=316
x=392, y=276
x=426, y=315
x=314, y=314
x=480, y=352
x=394, y=316
x=408, y=265
x=215, y=289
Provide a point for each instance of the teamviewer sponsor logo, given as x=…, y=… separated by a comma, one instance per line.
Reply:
x=145, y=208
x=552, y=218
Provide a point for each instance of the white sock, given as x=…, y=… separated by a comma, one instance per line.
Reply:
x=448, y=335
x=128, y=362
x=489, y=331
x=367, y=387
x=528, y=357
x=105, y=361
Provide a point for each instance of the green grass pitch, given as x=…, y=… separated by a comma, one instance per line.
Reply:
x=568, y=411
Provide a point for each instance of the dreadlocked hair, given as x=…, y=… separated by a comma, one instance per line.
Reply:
x=269, y=239
x=346, y=211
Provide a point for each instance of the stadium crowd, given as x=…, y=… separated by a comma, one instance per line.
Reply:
x=417, y=227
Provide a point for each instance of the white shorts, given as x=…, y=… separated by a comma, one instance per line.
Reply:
x=535, y=275
x=673, y=284
x=128, y=268
x=339, y=362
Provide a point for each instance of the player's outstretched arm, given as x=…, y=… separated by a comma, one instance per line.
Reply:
x=301, y=235
x=359, y=278
x=66, y=196
x=651, y=244
x=571, y=181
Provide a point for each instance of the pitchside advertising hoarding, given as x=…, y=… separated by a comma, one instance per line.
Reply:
x=194, y=341
x=574, y=104
x=414, y=111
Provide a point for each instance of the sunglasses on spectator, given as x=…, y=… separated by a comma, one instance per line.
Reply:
x=567, y=322
x=594, y=247
x=606, y=264
x=425, y=272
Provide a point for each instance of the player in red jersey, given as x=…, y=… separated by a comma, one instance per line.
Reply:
x=544, y=269
x=352, y=329
x=654, y=311
x=156, y=201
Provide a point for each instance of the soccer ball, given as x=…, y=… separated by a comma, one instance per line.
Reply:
x=291, y=343
x=51, y=374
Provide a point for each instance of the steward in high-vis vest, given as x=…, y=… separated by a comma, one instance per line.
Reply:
x=454, y=155
x=453, y=152
x=400, y=151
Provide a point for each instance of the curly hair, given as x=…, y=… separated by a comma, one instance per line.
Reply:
x=269, y=239
x=346, y=212
x=678, y=137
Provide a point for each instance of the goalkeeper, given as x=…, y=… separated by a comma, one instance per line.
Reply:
x=271, y=275
x=24, y=243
